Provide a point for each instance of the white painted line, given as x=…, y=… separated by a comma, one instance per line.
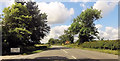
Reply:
x=0, y=58
x=74, y=57
x=65, y=51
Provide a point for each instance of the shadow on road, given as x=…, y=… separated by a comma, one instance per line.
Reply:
x=58, y=48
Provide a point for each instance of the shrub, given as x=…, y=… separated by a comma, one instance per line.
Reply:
x=106, y=44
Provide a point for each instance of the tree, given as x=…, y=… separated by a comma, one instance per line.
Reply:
x=51, y=41
x=66, y=37
x=84, y=25
x=38, y=25
x=63, y=38
x=24, y=25
x=70, y=36
x=15, y=21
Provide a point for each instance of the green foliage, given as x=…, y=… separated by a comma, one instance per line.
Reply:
x=54, y=41
x=108, y=44
x=84, y=25
x=18, y=30
x=38, y=25
x=15, y=21
x=67, y=36
x=51, y=41
x=23, y=25
x=63, y=38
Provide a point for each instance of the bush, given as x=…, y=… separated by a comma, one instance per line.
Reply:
x=107, y=44
x=5, y=49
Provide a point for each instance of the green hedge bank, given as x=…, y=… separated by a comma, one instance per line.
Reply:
x=105, y=44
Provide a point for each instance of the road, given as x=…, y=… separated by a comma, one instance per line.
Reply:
x=60, y=52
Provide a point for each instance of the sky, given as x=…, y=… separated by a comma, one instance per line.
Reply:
x=61, y=14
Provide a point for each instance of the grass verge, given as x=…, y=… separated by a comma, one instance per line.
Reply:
x=36, y=51
x=115, y=52
x=38, y=48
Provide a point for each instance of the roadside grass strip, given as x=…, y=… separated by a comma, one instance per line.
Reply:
x=115, y=52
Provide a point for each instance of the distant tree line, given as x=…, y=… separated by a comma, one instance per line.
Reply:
x=53, y=41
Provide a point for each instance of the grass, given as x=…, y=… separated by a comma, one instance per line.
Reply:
x=37, y=45
x=37, y=50
x=115, y=52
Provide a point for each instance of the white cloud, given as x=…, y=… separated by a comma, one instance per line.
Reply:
x=76, y=37
x=105, y=7
x=3, y=0
x=109, y=33
x=56, y=11
x=84, y=6
x=55, y=32
x=7, y=3
x=11, y=2
x=98, y=26
x=74, y=0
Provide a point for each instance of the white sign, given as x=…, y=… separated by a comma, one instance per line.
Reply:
x=15, y=50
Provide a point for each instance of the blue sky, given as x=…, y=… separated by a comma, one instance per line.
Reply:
x=65, y=12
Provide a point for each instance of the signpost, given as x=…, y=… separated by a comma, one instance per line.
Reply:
x=15, y=50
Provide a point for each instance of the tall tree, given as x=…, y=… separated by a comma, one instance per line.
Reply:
x=38, y=25
x=15, y=21
x=84, y=25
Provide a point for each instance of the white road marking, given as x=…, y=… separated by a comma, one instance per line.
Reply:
x=74, y=57
x=65, y=51
x=1, y=58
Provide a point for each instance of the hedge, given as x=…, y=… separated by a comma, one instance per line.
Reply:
x=106, y=44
